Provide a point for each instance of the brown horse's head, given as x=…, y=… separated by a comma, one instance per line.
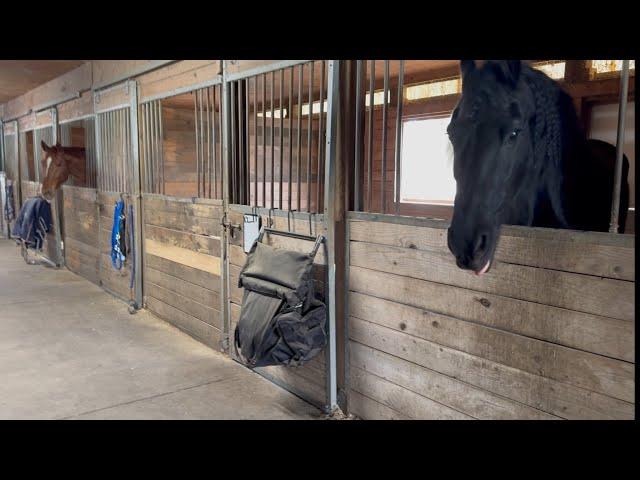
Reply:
x=58, y=163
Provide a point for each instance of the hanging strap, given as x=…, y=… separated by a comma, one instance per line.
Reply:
x=117, y=255
x=132, y=247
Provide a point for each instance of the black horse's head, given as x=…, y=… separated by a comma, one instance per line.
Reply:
x=492, y=133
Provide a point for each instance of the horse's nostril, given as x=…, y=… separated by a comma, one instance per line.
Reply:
x=481, y=243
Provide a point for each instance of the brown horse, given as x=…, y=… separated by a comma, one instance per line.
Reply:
x=58, y=163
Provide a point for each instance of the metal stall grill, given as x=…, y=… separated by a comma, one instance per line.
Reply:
x=113, y=133
x=277, y=138
x=181, y=144
x=44, y=134
x=81, y=133
x=26, y=156
x=10, y=157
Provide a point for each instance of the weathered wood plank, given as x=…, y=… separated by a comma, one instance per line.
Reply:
x=189, y=306
x=368, y=409
x=537, y=251
x=192, y=275
x=400, y=399
x=563, y=400
x=582, y=369
x=183, y=207
x=200, y=261
x=207, y=334
x=90, y=251
x=81, y=193
x=445, y=390
x=191, y=241
x=185, y=223
x=599, y=296
x=290, y=380
x=185, y=288
x=573, y=329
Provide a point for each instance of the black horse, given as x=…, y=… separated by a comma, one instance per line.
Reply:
x=521, y=158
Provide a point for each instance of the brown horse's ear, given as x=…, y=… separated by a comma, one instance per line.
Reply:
x=44, y=146
x=58, y=145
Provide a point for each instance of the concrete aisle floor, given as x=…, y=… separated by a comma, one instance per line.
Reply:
x=69, y=350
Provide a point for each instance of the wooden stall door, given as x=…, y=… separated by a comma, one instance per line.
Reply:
x=308, y=381
x=548, y=333
x=81, y=231
x=182, y=266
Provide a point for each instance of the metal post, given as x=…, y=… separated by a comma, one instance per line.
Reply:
x=224, y=279
x=617, y=179
x=361, y=76
x=56, y=204
x=136, y=191
x=399, y=134
x=329, y=218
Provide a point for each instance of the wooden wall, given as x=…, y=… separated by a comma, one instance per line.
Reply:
x=182, y=264
x=81, y=231
x=114, y=281
x=179, y=152
x=309, y=380
x=548, y=333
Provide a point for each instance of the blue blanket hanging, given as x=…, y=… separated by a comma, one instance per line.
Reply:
x=118, y=236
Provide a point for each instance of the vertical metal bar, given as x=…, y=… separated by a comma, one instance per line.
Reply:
x=361, y=75
x=233, y=146
x=290, y=115
x=57, y=201
x=224, y=291
x=241, y=155
x=214, y=178
x=201, y=112
x=617, y=179
x=300, y=79
x=273, y=122
x=108, y=151
x=372, y=85
x=398, y=138
x=98, y=141
x=207, y=176
x=320, y=135
x=309, y=136
x=148, y=153
x=329, y=218
x=136, y=190
x=220, y=134
x=195, y=116
x=384, y=135
x=161, y=146
x=264, y=140
x=281, y=138
x=255, y=138
x=247, y=145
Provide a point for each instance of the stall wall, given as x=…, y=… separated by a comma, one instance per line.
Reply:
x=81, y=231
x=116, y=282
x=182, y=264
x=309, y=380
x=548, y=333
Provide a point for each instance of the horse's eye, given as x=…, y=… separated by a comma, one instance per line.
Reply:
x=514, y=134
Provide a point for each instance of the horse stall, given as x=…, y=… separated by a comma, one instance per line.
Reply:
x=180, y=142
x=278, y=116
x=76, y=123
x=11, y=173
x=547, y=334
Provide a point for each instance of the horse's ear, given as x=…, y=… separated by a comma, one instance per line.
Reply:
x=44, y=146
x=58, y=145
x=509, y=70
x=466, y=66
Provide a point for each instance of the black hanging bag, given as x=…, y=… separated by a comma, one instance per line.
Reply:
x=281, y=322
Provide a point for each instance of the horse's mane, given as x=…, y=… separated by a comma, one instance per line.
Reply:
x=556, y=132
x=74, y=151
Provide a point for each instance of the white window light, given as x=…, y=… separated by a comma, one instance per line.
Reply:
x=426, y=162
x=553, y=70
x=609, y=66
x=433, y=89
x=276, y=113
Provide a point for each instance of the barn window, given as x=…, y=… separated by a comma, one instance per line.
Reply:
x=553, y=68
x=436, y=88
x=426, y=162
x=605, y=68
